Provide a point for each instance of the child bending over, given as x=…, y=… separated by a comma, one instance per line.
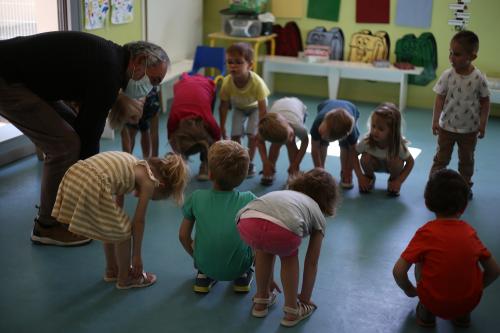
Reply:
x=462, y=107
x=191, y=125
x=284, y=121
x=247, y=93
x=218, y=251
x=274, y=225
x=147, y=125
x=452, y=266
x=85, y=202
x=383, y=149
x=336, y=120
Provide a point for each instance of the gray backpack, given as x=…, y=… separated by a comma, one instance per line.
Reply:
x=333, y=38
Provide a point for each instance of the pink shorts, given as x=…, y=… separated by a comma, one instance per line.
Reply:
x=263, y=235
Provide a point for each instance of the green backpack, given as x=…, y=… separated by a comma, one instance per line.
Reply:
x=421, y=52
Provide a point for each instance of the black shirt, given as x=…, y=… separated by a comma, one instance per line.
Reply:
x=73, y=66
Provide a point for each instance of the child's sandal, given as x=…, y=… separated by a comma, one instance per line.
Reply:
x=145, y=280
x=302, y=311
x=270, y=301
x=371, y=184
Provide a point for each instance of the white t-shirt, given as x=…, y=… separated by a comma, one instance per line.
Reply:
x=461, y=109
x=294, y=112
x=379, y=153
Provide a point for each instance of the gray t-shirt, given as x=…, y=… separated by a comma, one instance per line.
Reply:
x=294, y=111
x=297, y=211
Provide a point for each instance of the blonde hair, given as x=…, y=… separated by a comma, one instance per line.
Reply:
x=320, y=186
x=339, y=123
x=388, y=112
x=228, y=163
x=271, y=128
x=117, y=117
x=191, y=137
x=173, y=172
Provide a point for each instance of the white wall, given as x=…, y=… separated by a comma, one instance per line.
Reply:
x=176, y=25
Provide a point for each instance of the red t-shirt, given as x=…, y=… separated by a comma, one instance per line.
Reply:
x=451, y=282
x=193, y=96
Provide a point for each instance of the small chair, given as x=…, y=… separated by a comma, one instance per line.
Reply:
x=210, y=57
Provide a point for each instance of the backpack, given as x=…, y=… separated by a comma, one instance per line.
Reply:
x=421, y=51
x=333, y=39
x=288, y=39
x=368, y=47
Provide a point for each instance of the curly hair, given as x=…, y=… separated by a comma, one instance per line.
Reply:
x=241, y=50
x=319, y=185
x=272, y=128
x=446, y=193
x=339, y=123
x=228, y=163
x=172, y=171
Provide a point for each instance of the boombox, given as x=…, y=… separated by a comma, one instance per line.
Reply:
x=243, y=27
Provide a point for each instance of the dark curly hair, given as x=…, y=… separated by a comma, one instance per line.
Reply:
x=320, y=186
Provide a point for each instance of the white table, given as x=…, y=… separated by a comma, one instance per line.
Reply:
x=334, y=70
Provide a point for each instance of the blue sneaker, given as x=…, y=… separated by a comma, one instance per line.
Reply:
x=242, y=284
x=203, y=283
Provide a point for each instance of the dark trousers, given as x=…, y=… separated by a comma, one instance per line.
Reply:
x=466, y=143
x=47, y=124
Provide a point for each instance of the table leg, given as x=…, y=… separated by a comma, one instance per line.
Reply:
x=403, y=90
x=267, y=76
x=333, y=83
x=256, y=56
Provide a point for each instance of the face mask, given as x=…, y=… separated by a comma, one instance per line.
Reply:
x=138, y=88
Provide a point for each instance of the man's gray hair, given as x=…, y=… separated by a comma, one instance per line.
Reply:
x=154, y=53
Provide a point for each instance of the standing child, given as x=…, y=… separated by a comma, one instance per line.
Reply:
x=191, y=125
x=247, y=93
x=383, y=149
x=336, y=120
x=218, y=251
x=85, y=202
x=284, y=121
x=147, y=125
x=452, y=266
x=274, y=225
x=462, y=107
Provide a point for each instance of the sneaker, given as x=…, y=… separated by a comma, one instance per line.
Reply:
x=203, y=173
x=203, y=283
x=251, y=170
x=345, y=184
x=242, y=284
x=56, y=235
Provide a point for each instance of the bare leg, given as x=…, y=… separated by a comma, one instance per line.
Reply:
x=111, y=263
x=252, y=146
x=322, y=154
x=394, y=167
x=345, y=165
x=368, y=165
x=126, y=144
x=264, y=269
x=122, y=251
x=290, y=281
x=154, y=135
x=146, y=144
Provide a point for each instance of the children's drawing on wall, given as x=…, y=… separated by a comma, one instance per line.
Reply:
x=122, y=11
x=95, y=13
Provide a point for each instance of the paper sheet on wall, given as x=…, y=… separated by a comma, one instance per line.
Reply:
x=323, y=9
x=373, y=11
x=96, y=12
x=411, y=13
x=288, y=8
x=122, y=11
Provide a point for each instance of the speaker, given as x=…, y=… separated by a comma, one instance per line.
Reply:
x=243, y=27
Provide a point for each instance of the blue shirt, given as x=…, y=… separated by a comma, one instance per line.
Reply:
x=327, y=106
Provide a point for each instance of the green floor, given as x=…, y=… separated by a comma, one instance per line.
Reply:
x=50, y=289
